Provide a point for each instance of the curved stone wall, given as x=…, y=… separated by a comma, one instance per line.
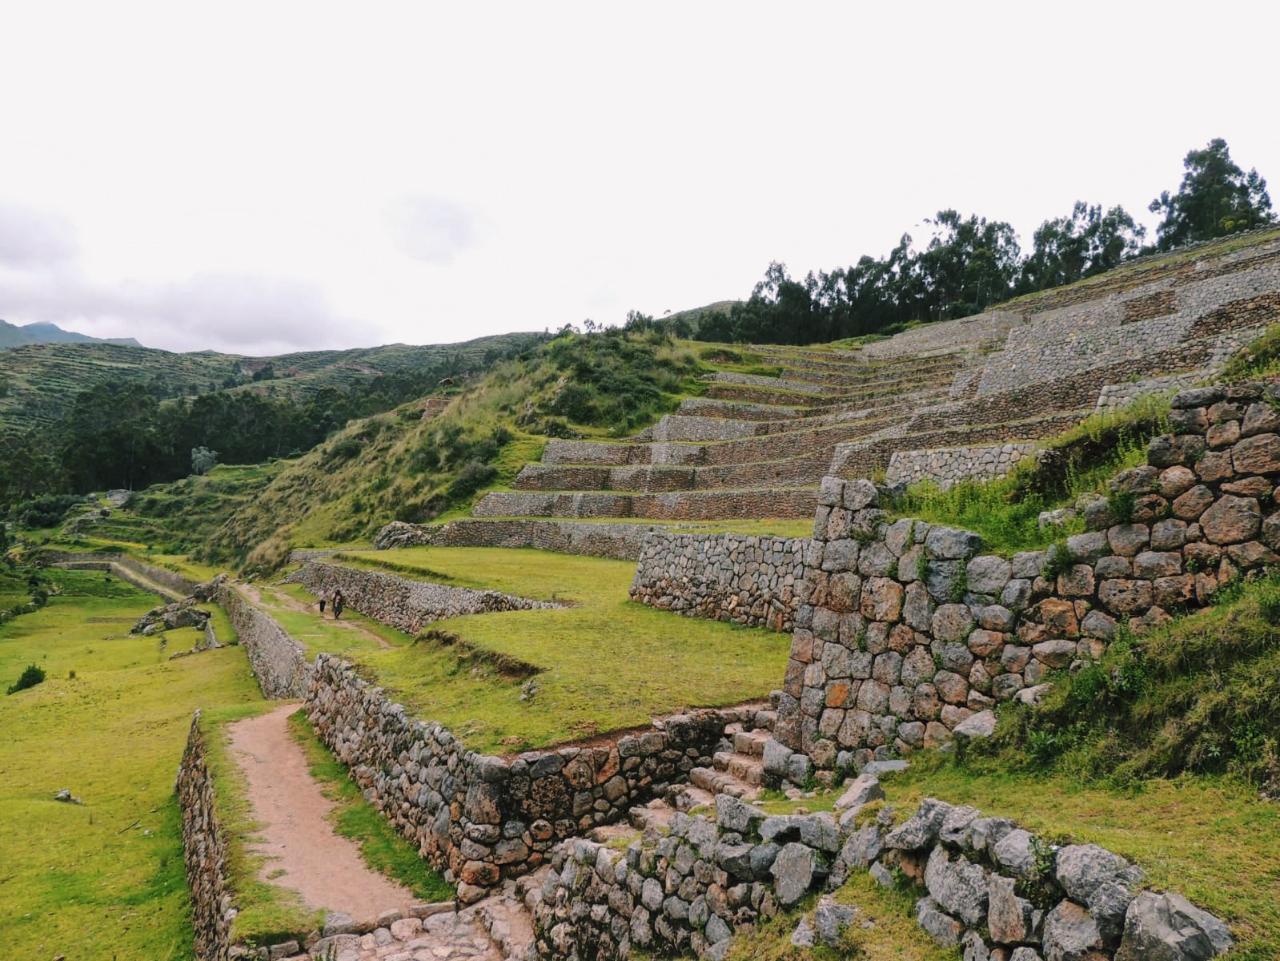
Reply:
x=726, y=577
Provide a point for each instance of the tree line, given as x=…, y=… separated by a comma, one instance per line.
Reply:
x=971, y=263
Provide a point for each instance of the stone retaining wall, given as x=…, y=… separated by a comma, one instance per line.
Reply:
x=204, y=849
x=278, y=661
x=128, y=568
x=479, y=818
x=1115, y=396
x=676, y=505
x=404, y=604
x=618, y=541
x=949, y=465
x=989, y=888
x=726, y=577
x=907, y=630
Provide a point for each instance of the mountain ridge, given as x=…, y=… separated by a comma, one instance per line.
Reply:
x=19, y=335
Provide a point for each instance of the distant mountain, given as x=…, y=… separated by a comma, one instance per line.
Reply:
x=13, y=335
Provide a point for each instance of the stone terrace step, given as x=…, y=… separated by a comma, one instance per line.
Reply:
x=793, y=503
x=742, y=767
x=717, y=407
x=750, y=743
x=795, y=471
x=722, y=782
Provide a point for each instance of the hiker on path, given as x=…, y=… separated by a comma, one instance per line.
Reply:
x=338, y=602
x=323, y=597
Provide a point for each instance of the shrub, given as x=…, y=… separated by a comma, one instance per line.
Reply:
x=470, y=479
x=47, y=510
x=32, y=676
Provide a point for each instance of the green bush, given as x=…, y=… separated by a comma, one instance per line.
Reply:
x=32, y=676
x=47, y=510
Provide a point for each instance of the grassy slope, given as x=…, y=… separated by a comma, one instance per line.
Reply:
x=657, y=662
x=84, y=880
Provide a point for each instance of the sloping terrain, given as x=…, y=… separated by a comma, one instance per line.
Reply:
x=14, y=335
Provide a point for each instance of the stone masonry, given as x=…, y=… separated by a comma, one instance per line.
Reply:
x=906, y=630
x=727, y=577
x=278, y=661
x=946, y=466
x=204, y=848
x=987, y=886
x=402, y=603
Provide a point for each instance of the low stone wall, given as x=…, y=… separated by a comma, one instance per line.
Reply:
x=726, y=577
x=479, y=818
x=906, y=630
x=618, y=541
x=204, y=849
x=404, y=604
x=949, y=465
x=678, y=505
x=1115, y=396
x=989, y=887
x=140, y=574
x=278, y=661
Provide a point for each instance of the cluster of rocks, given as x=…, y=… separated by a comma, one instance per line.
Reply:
x=479, y=818
x=407, y=605
x=947, y=466
x=728, y=577
x=1003, y=894
x=989, y=887
x=171, y=617
x=618, y=541
x=907, y=630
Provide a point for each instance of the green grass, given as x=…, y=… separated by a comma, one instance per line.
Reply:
x=606, y=663
x=104, y=880
x=1258, y=360
x=1081, y=460
x=353, y=817
x=1213, y=840
x=323, y=634
x=891, y=935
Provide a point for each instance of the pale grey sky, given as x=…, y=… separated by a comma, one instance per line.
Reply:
x=271, y=176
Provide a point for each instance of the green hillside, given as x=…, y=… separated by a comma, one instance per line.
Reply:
x=38, y=382
x=14, y=335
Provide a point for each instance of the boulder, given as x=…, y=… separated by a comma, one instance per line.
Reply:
x=939, y=925
x=794, y=871
x=1070, y=934
x=1167, y=927
x=957, y=885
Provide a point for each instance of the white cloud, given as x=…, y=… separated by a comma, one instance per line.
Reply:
x=291, y=174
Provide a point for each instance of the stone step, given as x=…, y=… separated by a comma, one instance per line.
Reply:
x=750, y=743
x=716, y=407
x=657, y=814
x=797, y=471
x=794, y=503
x=740, y=767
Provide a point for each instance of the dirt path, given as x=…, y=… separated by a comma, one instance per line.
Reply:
x=282, y=599
x=303, y=853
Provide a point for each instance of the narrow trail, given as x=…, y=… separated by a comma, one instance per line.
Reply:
x=281, y=599
x=302, y=851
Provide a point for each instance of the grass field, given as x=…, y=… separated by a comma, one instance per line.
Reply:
x=604, y=663
x=102, y=880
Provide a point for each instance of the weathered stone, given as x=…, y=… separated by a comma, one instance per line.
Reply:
x=1008, y=916
x=1014, y=852
x=1259, y=454
x=793, y=870
x=945, y=543
x=957, y=885
x=1167, y=927
x=1070, y=934
x=987, y=574
x=1231, y=520
x=940, y=926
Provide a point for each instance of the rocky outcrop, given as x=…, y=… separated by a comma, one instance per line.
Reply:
x=404, y=604
x=727, y=577
x=905, y=630
x=479, y=818
x=171, y=617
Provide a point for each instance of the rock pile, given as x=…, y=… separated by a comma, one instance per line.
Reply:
x=171, y=617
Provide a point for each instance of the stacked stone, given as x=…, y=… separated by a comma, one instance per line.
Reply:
x=204, y=848
x=689, y=890
x=278, y=661
x=672, y=505
x=402, y=603
x=946, y=466
x=480, y=818
x=906, y=631
x=1002, y=894
x=619, y=541
x=727, y=577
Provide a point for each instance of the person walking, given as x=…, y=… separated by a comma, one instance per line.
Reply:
x=338, y=603
x=323, y=598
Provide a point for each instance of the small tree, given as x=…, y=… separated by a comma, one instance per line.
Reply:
x=1216, y=198
x=203, y=460
x=32, y=676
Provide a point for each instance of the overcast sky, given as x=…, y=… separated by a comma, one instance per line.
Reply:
x=270, y=176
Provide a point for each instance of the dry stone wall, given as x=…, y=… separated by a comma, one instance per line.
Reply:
x=138, y=573
x=946, y=466
x=988, y=887
x=726, y=577
x=204, y=849
x=618, y=541
x=278, y=661
x=404, y=604
x=906, y=631
x=481, y=819
x=676, y=505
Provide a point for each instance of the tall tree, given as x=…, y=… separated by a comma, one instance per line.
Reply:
x=1216, y=198
x=1086, y=242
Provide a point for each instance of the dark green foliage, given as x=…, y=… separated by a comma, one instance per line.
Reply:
x=32, y=676
x=1216, y=198
x=470, y=479
x=1201, y=694
x=47, y=510
x=615, y=380
x=1085, y=243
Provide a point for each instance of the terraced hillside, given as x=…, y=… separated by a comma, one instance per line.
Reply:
x=944, y=402
x=39, y=381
